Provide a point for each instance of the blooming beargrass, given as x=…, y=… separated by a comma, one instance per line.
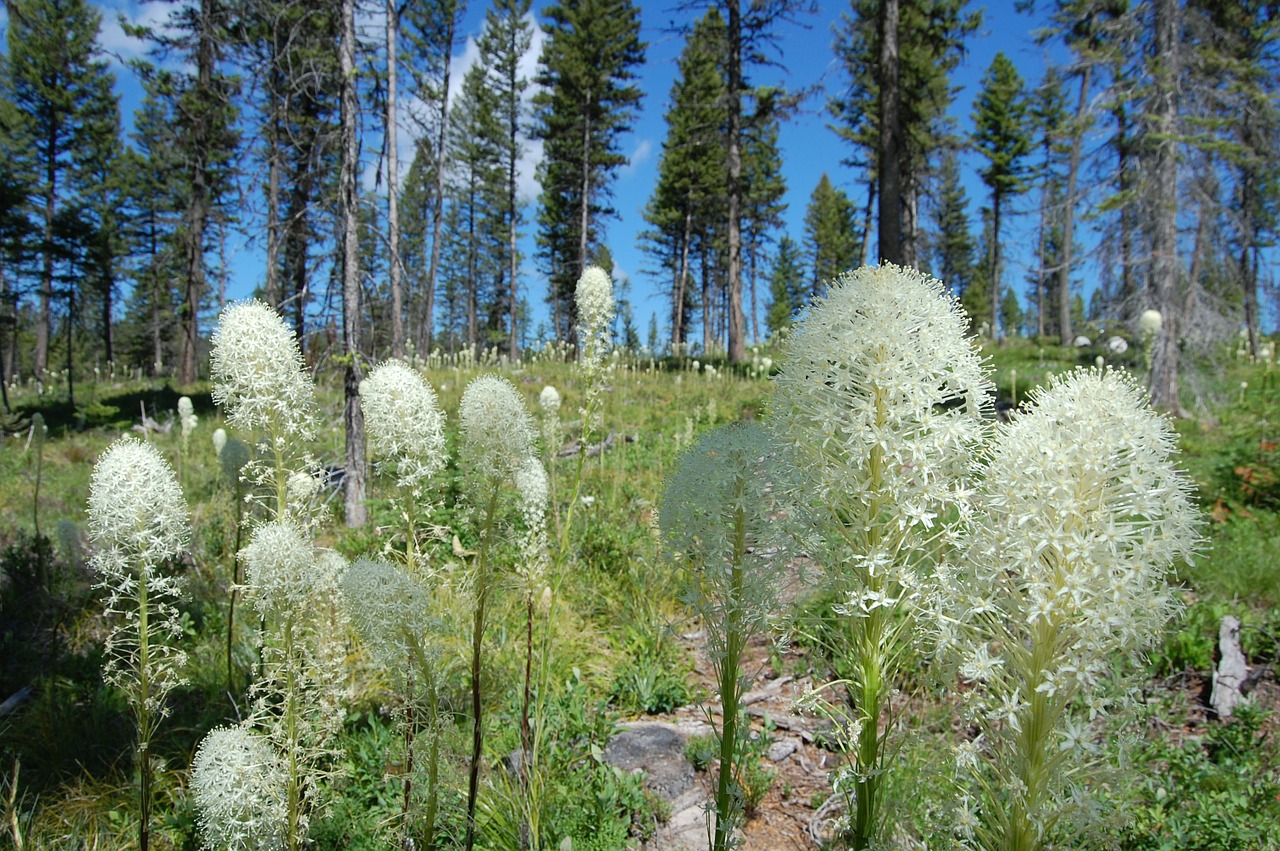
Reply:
x=1080, y=515
x=139, y=523
x=719, y=520
x=879, y=403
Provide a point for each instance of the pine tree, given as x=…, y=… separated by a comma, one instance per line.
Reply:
x=587, y=102
x=930, y=44
x=787, y=287
x=764, y=189
x=1048, y=110
x=1000, y=118
x=205, y=118
x=830, y=235
x=688, y=199
x=57, y=79
x=953, y=246
x=503, y=44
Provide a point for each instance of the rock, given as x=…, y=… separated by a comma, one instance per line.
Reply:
x=781, y=749
x=1082, y=342
x=657, y=750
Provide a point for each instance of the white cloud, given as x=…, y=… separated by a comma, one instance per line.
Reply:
x=640, y=156
x=116, y=42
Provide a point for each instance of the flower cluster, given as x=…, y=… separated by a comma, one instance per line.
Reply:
x=1080, y=515
x=534, y=490
x=280, y=567
x=187, y=417
x=138, y=521
x=238, y=784
x=258, y=374
x=404, y=421
x=594, y=299
x=719, y=517
x=497, y=430
x=882, y=396
x=388, y=609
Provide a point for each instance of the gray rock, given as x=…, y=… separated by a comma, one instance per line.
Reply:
x=781, y=749
x=658, y=751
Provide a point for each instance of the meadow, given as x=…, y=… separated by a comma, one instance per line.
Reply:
x=609, y=634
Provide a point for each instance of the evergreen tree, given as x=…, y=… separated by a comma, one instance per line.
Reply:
x=953, y=246
x=930, y=44
x=787, y=287
x=503, y=44
x=587, y=102
x=1011, y=315
x=830, y=235
x=207, y=141
x=1000, y=119
x=1049, y=112
x=764, y=190
x=58, y=84
x=688, y=200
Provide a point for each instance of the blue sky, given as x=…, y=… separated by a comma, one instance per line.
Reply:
x=809, y=146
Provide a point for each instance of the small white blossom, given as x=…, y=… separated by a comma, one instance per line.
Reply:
x=258, y=374
x=238, y=784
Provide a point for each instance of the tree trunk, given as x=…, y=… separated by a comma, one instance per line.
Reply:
x=1069, y=213
x=198, y=206
x=681, y=287
x=737, y=322
x=864, y=252
x=889, y=166
x=1163, y=113
x=995, y=264
x=354, y=481
x=437, y=202
x=44, y=325
x=273, y=197
x=584, y=215
x=393, y=185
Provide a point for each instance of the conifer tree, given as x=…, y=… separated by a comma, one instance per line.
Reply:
x=57, y=80
x=830, y=235
x=1000, y=134
x=953, y=244
x=930, y=44
x=787, y=287
x=588, y=100
x=688, y=197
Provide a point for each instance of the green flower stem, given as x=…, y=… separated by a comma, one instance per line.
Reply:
x=145, y=721
x=730, y=680
x=291, y=738
x=477, y=641
x=431, y=690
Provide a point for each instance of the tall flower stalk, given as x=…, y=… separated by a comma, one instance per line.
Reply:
x=497, y=440
x=1081, y=514
x=389, y=604
x=139, y=522
x=879, y=403
x=594, y=300
x=718, y=520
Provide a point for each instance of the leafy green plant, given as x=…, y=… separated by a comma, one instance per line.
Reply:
x=701, y=750
x=1220, y=790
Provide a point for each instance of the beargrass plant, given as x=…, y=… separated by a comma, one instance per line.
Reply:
x=297, y=698
x=239, y=785
x=879, y=403
x=719, y=522
x=187, y=421
x=139, y=523
x=497, y=439
x=389, y=604
x=593, y=297
x=1079, y=518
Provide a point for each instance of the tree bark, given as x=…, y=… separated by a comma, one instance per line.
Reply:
x=1163, y=113
x=1069, y=212
x=889, y=166
x=737, y=322
x=437, y=201
x=354, y=481
x=393, y=185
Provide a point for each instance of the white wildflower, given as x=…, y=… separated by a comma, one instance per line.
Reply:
x=497, y=431
x=238, y=784
x=258, y=374
x=404, y=421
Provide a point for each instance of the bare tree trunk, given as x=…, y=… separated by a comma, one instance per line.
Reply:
x=681, y=288
x=44, y=325
x=273, y=187
x=995, y=265
x=865, y=251
x=437, y=201
x=737, y=322
x=198, y=206
x=708, y=312
x=1163, y=113
x=584, y=213
x=1044, y=222
x=394, y=265
x=354, y=481
x=889, y=168
x=1069, y=212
